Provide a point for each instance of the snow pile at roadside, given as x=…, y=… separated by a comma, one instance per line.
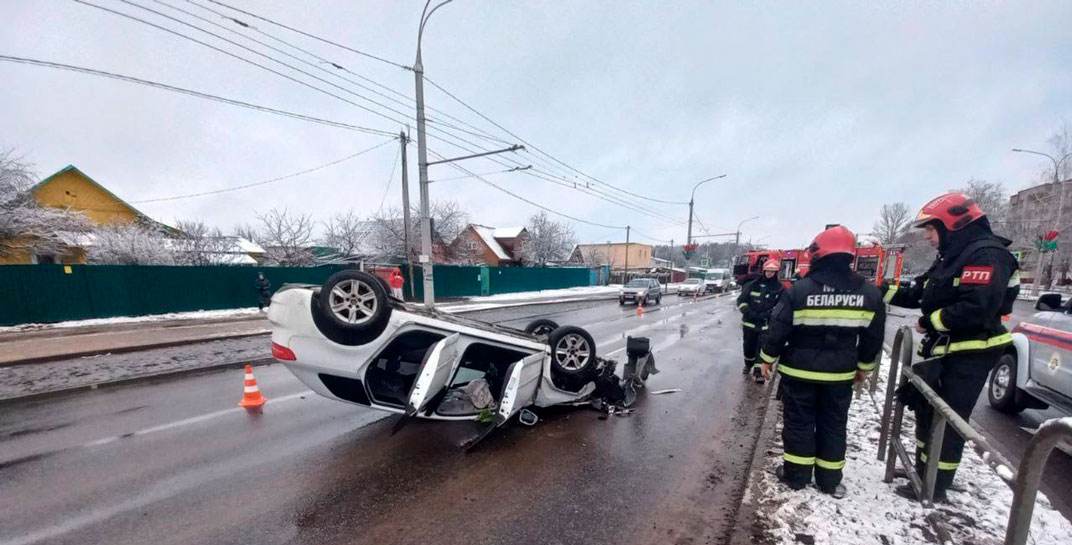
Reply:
x=194, y=315
x=872, y=513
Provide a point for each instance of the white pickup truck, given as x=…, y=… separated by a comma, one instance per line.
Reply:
x=1036, y=371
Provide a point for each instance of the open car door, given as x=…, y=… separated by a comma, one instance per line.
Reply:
x=436, y=369
x=522, y=381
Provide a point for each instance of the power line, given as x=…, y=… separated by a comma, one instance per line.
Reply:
x=467, y=177
x=230, y=54
x=391, y=178
x=269, y=181
x=533, y=147
x=308, y=35
x=190, y=92
x=523, y=199
x=409, y=101
x=649, y=237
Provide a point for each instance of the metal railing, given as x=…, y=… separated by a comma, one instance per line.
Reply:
x=1024, y=481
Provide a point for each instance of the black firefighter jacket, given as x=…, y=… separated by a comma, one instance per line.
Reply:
x=963, y=297
x=757, y=300
x=826, y=327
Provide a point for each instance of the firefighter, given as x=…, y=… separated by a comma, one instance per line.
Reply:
x=973, y=282
x=825, y=333
x=756, y=301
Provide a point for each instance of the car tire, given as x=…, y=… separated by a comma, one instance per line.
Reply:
x=541, y=328
x=659, y=300
x=573, y=352
x=621, y=302
x=1001, y=389
x=361, y=309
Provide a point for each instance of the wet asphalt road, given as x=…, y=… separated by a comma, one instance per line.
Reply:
x=175, y=461
x=1011, y=433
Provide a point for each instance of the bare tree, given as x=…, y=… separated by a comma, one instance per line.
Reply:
x=548, y=240
x=199, y=244
x=991, y=197
x=388, y=231
x=1060, y=146
x=247, y=232
x=347, y=233
x=891, y=224
x=286, y=238
x=130, y=244
x=24, y=224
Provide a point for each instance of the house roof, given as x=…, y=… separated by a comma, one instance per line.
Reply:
x=72, y=168
x=487, y=234
x=508, y=232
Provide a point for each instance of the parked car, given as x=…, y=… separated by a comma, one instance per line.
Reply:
x=718, y=280
x=349, y=341
x=641, y=291
x=692, y=287
x=1036, y=371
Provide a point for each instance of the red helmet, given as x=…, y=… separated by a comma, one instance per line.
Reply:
x=772, y=265
x=954, y=210
x=835, y=240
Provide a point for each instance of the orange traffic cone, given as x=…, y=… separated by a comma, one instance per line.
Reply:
x=251, y=396
x=640, y=309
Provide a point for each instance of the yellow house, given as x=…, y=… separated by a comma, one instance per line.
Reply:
x=71, y=188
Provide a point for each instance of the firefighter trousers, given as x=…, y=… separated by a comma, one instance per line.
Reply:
x=752, y=337
x=961, y=378
x=814, y=416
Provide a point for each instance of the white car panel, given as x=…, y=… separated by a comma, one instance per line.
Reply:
x=438, y=366
x=521, y=386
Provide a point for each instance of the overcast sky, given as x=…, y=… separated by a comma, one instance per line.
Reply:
x=817, y=115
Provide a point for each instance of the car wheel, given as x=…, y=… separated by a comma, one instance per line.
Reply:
x=541, y=328
x=1001, y=389
x=621, y=302
x=659, y=300
x=573, y=351
x=351, y=308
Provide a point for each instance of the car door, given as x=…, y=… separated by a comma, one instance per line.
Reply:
x=522, y=381
x=1052, y=366
x=436, y=369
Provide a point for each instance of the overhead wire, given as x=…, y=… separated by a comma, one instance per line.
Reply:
x=590, y=190
x=390, y=179
x=313, y=36
x=526, y=200
x=265, y=182
x=191, y=92
x=537, y=149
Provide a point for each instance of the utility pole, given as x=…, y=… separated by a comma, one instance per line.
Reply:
x=626, y=277
x=405, y=214
x=692, y=200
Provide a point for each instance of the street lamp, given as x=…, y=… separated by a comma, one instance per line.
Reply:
x=692, y=199
x=422, y=161
x=1060, y=204
x=737, y=241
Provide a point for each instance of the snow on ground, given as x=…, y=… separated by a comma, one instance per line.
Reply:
x=872, y=513
x=194, y=315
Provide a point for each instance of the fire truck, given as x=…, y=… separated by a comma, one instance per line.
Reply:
x=874, y=262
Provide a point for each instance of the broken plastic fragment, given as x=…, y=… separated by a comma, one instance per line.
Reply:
x=666, y=391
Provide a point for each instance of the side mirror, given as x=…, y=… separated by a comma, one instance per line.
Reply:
x=1049, y=302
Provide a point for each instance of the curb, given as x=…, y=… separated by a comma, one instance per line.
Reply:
x=129, y=348
x=167, y=375
x=743, y=523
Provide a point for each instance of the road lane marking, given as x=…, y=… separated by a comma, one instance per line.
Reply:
x=188, y=421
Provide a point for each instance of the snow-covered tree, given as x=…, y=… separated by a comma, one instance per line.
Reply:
x=199, y=244
x=387, y=229
x=548, y=240
x=130, y=244
x=347, y=233
x=24, y=224
x=286, y=238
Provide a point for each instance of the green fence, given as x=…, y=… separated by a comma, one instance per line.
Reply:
x=55, y=293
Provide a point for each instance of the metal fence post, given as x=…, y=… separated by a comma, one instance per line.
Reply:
x=896, y=355
x=1025, y=490
x=934, y=454
x=895, y=435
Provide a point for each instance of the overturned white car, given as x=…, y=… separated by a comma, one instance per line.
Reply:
x=350, y=341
